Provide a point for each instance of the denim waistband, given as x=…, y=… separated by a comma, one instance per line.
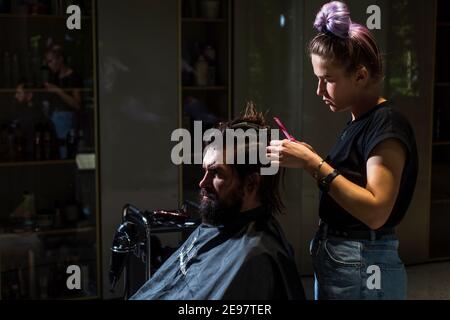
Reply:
x=326, y=230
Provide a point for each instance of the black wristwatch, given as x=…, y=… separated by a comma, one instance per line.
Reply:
x=324, y=183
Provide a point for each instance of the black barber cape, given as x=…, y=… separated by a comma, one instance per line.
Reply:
x=249, y=259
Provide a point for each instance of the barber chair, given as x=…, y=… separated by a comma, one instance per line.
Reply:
x=135, y=249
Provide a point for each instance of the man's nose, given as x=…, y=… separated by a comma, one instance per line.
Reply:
x=205, y=181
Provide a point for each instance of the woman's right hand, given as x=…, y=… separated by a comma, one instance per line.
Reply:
x=308, y=146
x=290, y=154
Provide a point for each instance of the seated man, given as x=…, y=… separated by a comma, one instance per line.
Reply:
x=239, y=251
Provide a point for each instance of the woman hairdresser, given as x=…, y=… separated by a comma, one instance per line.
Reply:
x=368, y=179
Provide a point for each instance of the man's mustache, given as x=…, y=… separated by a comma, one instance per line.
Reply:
x=205, y=193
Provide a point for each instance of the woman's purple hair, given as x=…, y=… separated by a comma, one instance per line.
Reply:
x=349, y=44
x=334, y=17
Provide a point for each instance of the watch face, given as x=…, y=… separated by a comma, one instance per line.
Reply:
x=324, y=184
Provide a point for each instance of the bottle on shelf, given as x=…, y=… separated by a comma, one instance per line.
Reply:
x=43, y=285
x=71, y=143
x=11, y=142
x=36, y=61
x=187, y=74
x=37, y=143
x=201, y=71
x=62, y=149
x=210, y=55
x=47, y=145
x=15, y=286
x=24, y=291
x=20, y=143
x=26, y=210
x=81, y=143
x=15, y=72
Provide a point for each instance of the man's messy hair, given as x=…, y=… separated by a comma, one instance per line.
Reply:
x=269, y=187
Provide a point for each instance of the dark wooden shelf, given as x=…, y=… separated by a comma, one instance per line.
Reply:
x=52, y=232
x=441, y=201
x=205, y=88
x=43, y=17
x=442, y=84
x=58, y=232
x=37, y=163
x=197, y=20
x=11, y=90
x=441, y=143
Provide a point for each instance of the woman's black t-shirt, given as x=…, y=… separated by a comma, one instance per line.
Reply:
x=72, y=81
x=351, y=152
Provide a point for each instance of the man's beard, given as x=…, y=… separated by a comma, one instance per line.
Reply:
x=216, y=212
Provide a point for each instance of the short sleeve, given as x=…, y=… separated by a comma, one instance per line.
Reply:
x=387, y=124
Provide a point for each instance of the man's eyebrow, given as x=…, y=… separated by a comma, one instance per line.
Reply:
x=210, y=166
x=216, y=167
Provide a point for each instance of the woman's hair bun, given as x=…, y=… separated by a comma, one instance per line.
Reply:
x=334, y=17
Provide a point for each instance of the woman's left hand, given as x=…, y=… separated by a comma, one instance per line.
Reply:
x=290, y=154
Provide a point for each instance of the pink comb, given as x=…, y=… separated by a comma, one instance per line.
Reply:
x=283, y=129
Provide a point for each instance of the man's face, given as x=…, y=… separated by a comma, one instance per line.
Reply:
x=221, y=189
x=21, y=95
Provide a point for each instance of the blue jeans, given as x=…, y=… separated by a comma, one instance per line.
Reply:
x=63, y=122
x=357, y=269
